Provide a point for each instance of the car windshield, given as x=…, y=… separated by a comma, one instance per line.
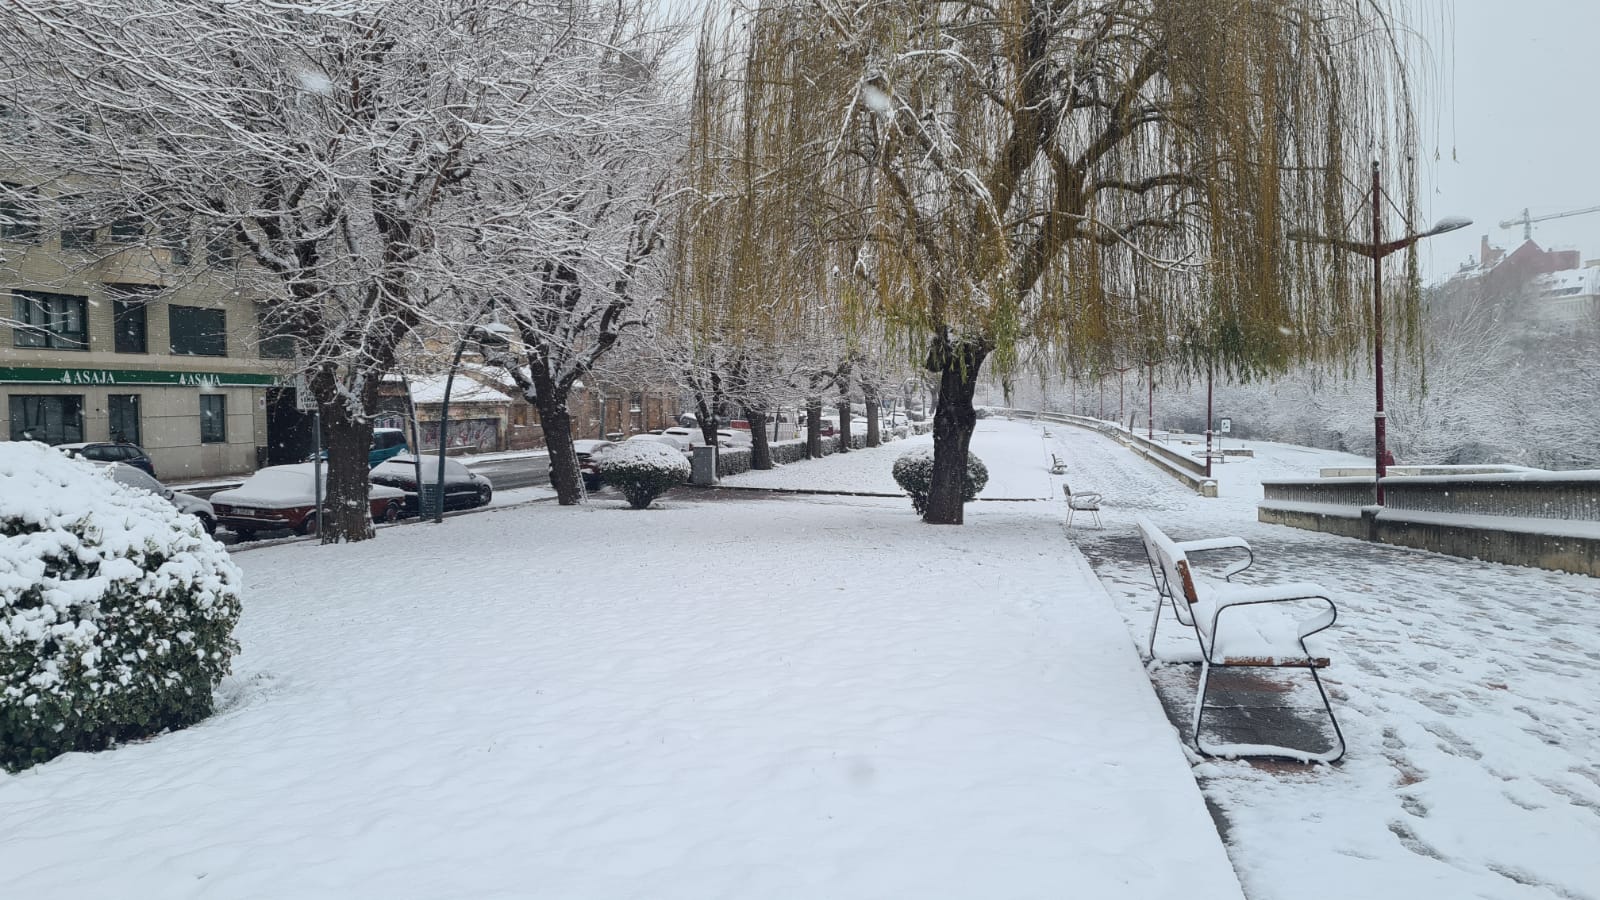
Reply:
x=132, y=477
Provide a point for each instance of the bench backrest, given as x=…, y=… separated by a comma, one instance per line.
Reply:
x=1172, y=561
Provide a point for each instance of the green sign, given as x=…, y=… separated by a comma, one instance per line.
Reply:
x=116, y=377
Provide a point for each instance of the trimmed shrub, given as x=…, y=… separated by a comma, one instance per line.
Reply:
x=642, y=470
x=913, y=471
x=116, y=610
x=733, y=461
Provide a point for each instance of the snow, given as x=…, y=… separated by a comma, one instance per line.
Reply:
x=871, y=470
x=643, y=454
x=292, y=485
x=841, y=703
x=1463, y=688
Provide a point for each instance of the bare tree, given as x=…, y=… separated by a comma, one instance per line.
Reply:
x=327, y=140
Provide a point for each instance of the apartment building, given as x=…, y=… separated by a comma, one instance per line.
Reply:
x=121, y=332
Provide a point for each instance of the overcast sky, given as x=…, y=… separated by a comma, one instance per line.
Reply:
x=1520, y=116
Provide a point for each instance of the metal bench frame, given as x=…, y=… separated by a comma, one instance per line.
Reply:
x=1088, y=501
x=1202, y=608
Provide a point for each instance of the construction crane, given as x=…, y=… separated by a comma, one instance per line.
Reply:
x=1526, y=221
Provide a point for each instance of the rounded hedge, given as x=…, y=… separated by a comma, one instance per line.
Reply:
x=913, y=471
x=642, y=470
x=116, y=610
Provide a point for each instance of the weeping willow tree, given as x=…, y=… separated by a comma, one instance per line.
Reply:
x=1099, y=180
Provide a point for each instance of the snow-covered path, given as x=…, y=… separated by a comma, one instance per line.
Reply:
x=1466, y=691
x=757, y=697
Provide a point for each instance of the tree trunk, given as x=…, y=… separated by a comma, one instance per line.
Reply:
x=844, y=426
x=549, y=396
x=760, y=449
x=954, y=419
x=814, y=428
x=705, y=410
x=347, y=511
x=874, y=431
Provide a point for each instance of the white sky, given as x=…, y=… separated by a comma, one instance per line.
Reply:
x=1520, y=96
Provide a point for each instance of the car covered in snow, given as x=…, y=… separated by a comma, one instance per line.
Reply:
x=124, y=473
x=284, y=497
x=463, y=488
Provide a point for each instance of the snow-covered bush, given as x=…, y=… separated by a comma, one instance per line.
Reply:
x=642, y=470
x=913, y=471
x=733, y=461
x=116, y=610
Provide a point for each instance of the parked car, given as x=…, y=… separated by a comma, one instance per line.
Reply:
x=112, y=452
x=676, y=441
x=123, y=473
x=586, y=450
x=463, y=488
x=280, y=497
x=387, y=443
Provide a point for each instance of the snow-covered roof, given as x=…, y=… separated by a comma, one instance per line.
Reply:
x=465, y=389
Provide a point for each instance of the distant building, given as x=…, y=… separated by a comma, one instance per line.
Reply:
x=1560, y=290
x=119, y=331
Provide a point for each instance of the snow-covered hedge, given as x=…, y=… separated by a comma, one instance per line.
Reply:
x=116, y=610
x=642, y=470
x=913, y=471
x=733, y=461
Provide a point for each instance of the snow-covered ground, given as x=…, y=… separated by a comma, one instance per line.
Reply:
x=1465, y=690
x=868, y=470
x=792, y=696
x=756, y=697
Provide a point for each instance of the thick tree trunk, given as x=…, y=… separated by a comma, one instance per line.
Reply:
x=557, y=424
x=844, y=426
x=874, y=430
x=347, y=512
x=954, y=419
x=760, y=449
x=814, y=428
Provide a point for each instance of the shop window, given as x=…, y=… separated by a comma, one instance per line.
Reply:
x=123, y=411
x=213, y=419
x=51, y=418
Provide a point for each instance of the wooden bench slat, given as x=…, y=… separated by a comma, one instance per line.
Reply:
x=1285, y=662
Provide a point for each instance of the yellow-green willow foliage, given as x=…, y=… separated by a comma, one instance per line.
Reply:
x=1109, y=179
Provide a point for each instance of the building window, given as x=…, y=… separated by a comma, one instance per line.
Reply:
x=54, y=419
x=127, y=230
x=213, y=419
x=221, y=251
x=174, y=237
x=50, y=321
x=123, y=411
x=276, y=337
x=19, y=213
x=130, y=305
x=197, y=331
x=77, y=237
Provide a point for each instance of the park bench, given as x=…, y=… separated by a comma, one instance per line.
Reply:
x=1058, y=466
x=1088, y=502
x=1244, y=638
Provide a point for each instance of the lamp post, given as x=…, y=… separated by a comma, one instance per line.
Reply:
x=1376, y=250
x=493, y=336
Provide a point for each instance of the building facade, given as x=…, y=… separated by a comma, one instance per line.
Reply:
x=120, y=333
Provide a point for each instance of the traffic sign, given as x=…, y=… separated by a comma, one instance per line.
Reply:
x=1227, y=426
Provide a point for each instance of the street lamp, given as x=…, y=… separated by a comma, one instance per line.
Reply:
x=1376, y=250
x=491, y=337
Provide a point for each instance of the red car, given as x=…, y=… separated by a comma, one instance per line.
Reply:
x=284, y=497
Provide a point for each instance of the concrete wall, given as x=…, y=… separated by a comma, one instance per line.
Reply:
x=1547, y=520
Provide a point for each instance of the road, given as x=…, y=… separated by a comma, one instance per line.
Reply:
x=514, y=472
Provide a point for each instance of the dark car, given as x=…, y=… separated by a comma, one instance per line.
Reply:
x=387, y=443
x=463, y=488
x=112, y=452
x=586, y=450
